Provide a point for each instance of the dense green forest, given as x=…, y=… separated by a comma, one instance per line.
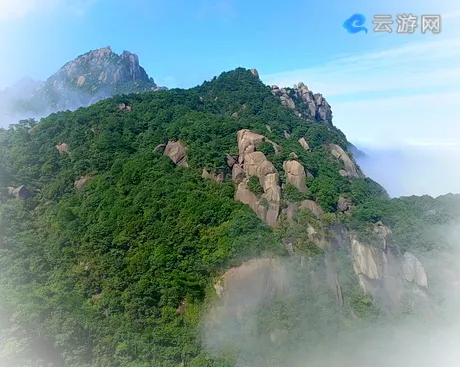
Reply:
x=95, y=276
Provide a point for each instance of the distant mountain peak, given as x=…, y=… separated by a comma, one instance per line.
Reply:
x=89, y=78
x=102, y=67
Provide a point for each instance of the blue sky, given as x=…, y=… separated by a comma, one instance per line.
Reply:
x=387, y=91
x=182, y=42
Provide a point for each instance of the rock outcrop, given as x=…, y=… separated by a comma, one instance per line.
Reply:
x=251, y=285
x=384, y=276
x=177, y=152
x=231, y=161
x=350, y=167
x=380, y=274
x=295, y=174
x=82, y=182
x=303, y=142
x=311, y=206
x=414, y=271
x=248, y=142
x=304, y=102
x=124, y=107
x=63, y=148
x=254, y=163
x=383, y=232
x=344, y=205
x=20, y=192
x=238, y=174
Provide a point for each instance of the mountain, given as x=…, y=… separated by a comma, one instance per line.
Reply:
x=89, y=78
x=226, y=224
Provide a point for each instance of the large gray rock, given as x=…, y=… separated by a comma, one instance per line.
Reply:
x=20, y=192
x=295, y=174
x=176, y=151
x=350, y=167
x=414, y=270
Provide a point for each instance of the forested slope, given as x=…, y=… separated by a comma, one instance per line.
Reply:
x=117, y=268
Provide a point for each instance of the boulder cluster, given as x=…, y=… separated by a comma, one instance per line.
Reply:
x=308, y=105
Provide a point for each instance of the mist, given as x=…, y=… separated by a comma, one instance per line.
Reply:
x=28, y=90
x=304, y=327
x=413, y=170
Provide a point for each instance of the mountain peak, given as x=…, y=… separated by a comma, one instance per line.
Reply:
x=102, y=67
x=89, y=78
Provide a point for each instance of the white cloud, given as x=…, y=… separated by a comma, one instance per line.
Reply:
x=14, y=10
x=414, y=65
x=18, y=9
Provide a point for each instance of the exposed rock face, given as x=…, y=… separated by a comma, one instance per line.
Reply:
x=176, y=151
x=238, y=174
x=20, y=192
x=89, y=78
x=295, y=174
x=255, y=72
x=248, y=142
x=256, y=164
x=382, y=232
x=63, y=148
x=290, y=211
x=251, y=285
x=219, y=178
x=311, y=206
x=104, y=66
x=235, y=114
x=414, y=271
x=253, y=163
x=333, y=278
x=366, y=260
x=350, y=167
x=382, y=275
x=231, y=161
x=308, y=105
x=82, y=182
x=344, y=204
x=123, y=106
x=379, y=273
x=304, y=144
x=317, y=238
x=287, y=135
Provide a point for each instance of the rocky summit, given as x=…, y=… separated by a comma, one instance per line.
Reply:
x=225, y=224
x=90, y=77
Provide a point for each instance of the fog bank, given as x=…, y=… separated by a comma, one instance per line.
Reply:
x=413, y=170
